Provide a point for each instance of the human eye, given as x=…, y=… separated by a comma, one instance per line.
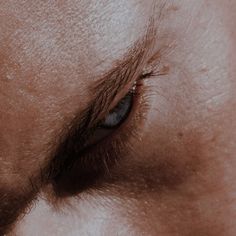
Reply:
x=109, y=142
x=117, y=116
x=121, y=111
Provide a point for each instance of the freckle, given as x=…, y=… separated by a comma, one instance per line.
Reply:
x=173, y=8
x=214, y=138
x=180, y=134
x=204, y=70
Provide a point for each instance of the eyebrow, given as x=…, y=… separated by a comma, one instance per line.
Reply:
x=73, y=137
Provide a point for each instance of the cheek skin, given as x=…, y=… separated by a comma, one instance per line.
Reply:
x=186, y=171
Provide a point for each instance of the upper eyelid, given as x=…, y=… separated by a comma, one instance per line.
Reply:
x=117, y=81
x=126, y=71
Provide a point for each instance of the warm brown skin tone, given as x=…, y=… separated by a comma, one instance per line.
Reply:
x=179, y=178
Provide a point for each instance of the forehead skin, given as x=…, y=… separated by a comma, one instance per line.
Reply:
x=50, y=53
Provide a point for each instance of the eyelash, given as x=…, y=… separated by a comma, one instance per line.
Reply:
x=95, y=163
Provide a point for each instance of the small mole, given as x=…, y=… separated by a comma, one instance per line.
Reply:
x=173, y=8
x=180, y=134
x=204, y=70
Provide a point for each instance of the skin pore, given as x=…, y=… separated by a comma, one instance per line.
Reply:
x=169, y=168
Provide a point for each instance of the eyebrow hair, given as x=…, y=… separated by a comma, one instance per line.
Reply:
x=73, y=137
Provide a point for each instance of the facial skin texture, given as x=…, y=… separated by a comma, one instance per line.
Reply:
x=176, y=173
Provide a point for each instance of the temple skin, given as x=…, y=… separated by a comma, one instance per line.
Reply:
x=179, y=178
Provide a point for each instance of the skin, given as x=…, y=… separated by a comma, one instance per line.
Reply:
x=183, y=181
